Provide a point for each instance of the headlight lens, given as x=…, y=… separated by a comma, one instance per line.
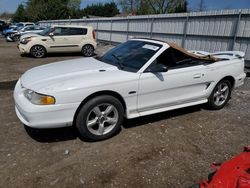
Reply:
x=25, y=40
x=39, y=99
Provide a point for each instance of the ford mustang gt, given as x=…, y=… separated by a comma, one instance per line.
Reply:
x=137, y=78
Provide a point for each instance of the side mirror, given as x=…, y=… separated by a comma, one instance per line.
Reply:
x=157, y=68
x=51, y=34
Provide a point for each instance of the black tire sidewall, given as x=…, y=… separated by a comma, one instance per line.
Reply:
x=91, y=48
x=16, y=38
x=83, y=113
x=211, y=103
x=31, y=49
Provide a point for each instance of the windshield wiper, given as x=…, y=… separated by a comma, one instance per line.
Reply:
x=118, y=61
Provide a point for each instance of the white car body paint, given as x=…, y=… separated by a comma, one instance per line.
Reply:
x=72, y=81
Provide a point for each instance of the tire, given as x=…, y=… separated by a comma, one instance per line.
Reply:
x=38, y=51
x=94, y=124
x=220, y=95
x=16, y=38
x=88, y=50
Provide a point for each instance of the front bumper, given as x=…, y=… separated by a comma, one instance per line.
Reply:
x=9, y=39
x=42, y=116
x=23, y=48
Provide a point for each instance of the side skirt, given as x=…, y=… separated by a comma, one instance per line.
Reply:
x=154, y=111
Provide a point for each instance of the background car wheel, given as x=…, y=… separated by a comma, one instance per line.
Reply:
x=88, y=50
x=38, y=51
x=100, y=118
x=16, y=38
x=220, y=95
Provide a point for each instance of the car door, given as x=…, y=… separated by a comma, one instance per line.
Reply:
x=59, y=41
x=179, y=85
x=76, y=37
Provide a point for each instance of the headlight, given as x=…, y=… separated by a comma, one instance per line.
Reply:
x=25, y=40
x=39, y=99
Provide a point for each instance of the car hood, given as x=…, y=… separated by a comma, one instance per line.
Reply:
x=66, y=74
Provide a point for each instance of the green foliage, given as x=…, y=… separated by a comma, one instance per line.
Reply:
x=105, y=10
x=20, y=15
x=36, y=10
x=47, y=9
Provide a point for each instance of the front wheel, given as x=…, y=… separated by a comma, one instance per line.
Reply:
x=38, y=51
x=100, y=118
x=220, y=95
x=88, y=50
x=16, y=38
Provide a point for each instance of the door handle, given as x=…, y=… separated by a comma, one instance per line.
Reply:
x=196, y=76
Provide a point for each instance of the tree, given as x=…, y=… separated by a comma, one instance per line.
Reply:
x=74, y=8
x=168, y=6
x=153, y=6
x=130, y=6
x=47, y=9
x=6, y=15
x=178, y=6
x=20, y=15
x=105, y=10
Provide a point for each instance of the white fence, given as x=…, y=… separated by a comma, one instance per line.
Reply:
x=208, y=31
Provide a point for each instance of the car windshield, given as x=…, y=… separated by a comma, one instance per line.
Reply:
x=130, y=56
x=19, y=25
x=46, y=31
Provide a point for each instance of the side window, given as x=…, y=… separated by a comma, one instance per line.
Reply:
x=61, y=31
x=173, y=59
x=77, y=31
x=29, y=28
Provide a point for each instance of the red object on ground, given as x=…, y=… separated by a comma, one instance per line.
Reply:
x=234, y=173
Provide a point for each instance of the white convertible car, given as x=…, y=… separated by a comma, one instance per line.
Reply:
x=137, y=78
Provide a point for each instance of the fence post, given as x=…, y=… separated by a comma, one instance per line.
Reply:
x=235, y=31
x=127, y=28
x=151, y=28
x=185, y=32
x=97, y=28
x=111, y=28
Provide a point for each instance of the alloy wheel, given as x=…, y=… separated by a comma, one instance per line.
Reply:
x=87, y=50
x=102, y=119
x=221, y=94
x=38, y=51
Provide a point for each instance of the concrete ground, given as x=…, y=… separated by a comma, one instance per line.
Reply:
x=171, y=149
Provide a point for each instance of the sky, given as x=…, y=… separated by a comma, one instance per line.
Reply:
x=11, y=5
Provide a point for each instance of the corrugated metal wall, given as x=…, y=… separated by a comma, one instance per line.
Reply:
x=208, y=31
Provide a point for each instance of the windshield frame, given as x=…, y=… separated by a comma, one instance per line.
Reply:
x=46, y=31
x=123, y=66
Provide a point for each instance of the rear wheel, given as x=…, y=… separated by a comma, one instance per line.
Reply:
x=220, y=95
x=38, y=51
x=100, y=118
x=88, y=50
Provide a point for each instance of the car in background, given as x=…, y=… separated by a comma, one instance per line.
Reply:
x=14, y=28
x=59, y=39
x=3, y=25
x=15, y=36
x=137, y=78
x=9, y=29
